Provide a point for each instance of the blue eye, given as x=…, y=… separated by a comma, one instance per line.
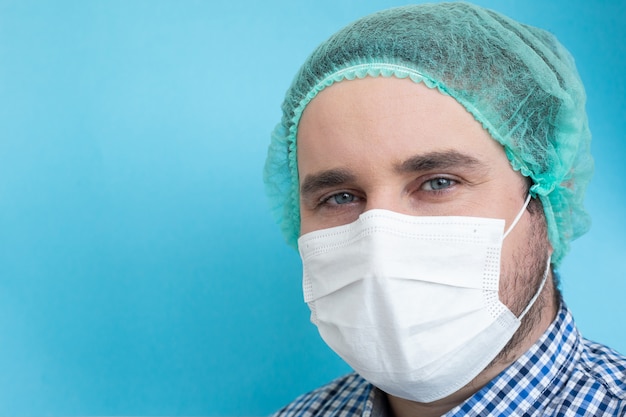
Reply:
x=438, y=184
x=341, y=198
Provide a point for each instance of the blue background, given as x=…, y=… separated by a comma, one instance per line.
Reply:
x=140, y=271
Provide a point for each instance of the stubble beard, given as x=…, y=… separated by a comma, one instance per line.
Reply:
x=524, y=277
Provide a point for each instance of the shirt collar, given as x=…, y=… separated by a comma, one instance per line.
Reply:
x=533, y=377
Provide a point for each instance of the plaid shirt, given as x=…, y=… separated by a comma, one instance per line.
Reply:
x=562, y=374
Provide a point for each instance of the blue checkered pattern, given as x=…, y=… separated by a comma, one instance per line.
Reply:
x=563, y=374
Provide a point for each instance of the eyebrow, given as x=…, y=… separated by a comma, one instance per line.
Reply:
x=325, y=179
x=438, y=160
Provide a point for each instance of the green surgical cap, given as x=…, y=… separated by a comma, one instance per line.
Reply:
x=518, y=81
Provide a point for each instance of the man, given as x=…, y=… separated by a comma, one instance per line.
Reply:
x=430, y=166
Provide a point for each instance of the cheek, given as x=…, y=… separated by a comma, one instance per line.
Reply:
x=519, y=241
x=312, y=220
x=308, y=223
x=524, y=255
x=516, y=247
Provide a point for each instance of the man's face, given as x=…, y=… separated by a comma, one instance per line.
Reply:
x=388, y=143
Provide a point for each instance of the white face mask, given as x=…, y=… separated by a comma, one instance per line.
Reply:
x=410, y=303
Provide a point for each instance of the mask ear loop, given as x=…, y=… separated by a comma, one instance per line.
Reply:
x=516, y=219
x=543, y=282
x=545, y=273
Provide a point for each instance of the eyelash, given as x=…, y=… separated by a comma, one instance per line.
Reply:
x=326, y=201
x=451, y=183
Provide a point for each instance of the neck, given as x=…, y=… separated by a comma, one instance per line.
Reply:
x=542, y=314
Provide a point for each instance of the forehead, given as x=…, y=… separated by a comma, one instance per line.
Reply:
x=364, y=120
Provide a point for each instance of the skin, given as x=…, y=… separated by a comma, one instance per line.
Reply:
x=388, y=143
